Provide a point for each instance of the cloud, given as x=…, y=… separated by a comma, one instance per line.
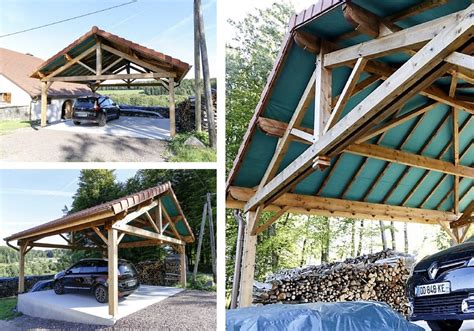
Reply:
x=21, y=191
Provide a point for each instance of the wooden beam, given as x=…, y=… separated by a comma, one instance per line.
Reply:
x=143, y=243
x=314, y=205
x=112, y=279
x=296, y=119
x=47, y=245
x=412, y=160
x=396, y=41
x=152, y=222
x=101, y=236
x=87, y=67
x=346, y=93
x=364, y=21
x=137, y=213
x=139, y=62
x=380, y=104
x=323, y=93
x=98, y=59
x=302, y=136
x=446, y=228
x=44, y=103
x=170, y=223
x=248, y=262
x=416, y=9
x=462, y=60
x=398, y=121
x=69, y=64
x=270, y=221
x=132, y=230
x=465, y=231
x=465, y=218
x=107, y=77
x=68, y=241
x=113, y=64
x=119, y=239
x=172, y=106
x=307, y=41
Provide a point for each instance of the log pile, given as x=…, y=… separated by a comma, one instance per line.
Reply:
x=162, y=273
x=185, y=114
x=375, y=277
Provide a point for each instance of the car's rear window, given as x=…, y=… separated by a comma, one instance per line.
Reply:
x=127, y=269
x=85, y=102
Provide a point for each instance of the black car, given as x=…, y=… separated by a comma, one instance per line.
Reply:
x=94, y=109
x=91, y=275
x=441, y=288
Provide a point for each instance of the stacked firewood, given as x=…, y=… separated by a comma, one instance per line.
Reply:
x=185, y=114
x=374, y=277
x=172, y=269
x=151, y=272
x=165, y=272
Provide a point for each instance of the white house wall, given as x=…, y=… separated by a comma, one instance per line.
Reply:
x=19, y=96
x=54, y=109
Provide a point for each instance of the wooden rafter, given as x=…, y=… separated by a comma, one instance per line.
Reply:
x=323, y=94
x=69, y=64
x=99, y=234
x=134, y=231
x=426, y=173
x=409, y=159
x=421, y=151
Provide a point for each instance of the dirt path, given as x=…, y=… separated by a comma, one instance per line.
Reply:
x=41, y=145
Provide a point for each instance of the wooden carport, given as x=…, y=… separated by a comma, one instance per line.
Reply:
x=367, y=113
x=147, y=218
x=100, y=56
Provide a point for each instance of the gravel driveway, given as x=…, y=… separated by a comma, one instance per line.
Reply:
x=44, y=145
x=187, y=310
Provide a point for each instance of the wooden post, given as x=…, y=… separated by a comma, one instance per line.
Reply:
x=211, y=236
x=172, y=108
x=207, y=79
x=44, y=103
x=98, y=60
x=201, y=235
x=197, y=70
x=113, y=267
x=323, y=96
x=248, y=262
x=238, y=259
x=183, y=266
x=21, y=274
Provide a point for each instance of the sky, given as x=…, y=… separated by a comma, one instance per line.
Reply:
x=163, y=25
x=33, y=197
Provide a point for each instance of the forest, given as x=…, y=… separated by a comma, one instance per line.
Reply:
x=295, y=240
x=97, y=186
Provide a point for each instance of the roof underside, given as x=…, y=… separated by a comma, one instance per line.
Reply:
x=90, y=39
x=115, y=211
x=429, y=134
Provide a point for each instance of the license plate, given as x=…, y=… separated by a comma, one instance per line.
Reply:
x=81, y=114
x=131, y=283
x=433, y=289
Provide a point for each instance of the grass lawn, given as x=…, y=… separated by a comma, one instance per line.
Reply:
x=182, y=153
x=8, y=126
x=6, y=308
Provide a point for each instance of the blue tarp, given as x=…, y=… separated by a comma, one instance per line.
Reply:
x=334, y=316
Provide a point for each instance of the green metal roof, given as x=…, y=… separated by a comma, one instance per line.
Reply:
x=292, y=79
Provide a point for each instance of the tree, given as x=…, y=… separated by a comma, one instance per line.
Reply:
x=382, y=233
x=96, y=186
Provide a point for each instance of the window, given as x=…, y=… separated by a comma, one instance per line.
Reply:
x=76, y=268
x=5, y=97
x=88, y=267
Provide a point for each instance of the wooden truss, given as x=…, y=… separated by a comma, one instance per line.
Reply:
x=436, y=48
x=105, y=232
x=97, y=75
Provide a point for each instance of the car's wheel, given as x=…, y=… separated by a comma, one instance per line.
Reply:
x=59, y=287
x=100, y=293
x=102, y=120
x=118, y=114
x=77, y=123
x=448, y=325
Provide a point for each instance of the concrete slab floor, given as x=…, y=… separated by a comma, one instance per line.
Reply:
x=125, y=126
x=82, y=307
